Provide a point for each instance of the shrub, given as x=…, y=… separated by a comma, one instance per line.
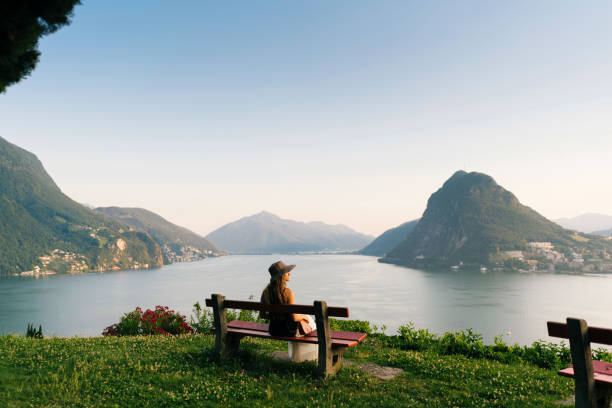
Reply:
x=362, y=326
x=466, y=342
x=203, y=319
x=162, y=320
x=415, y=339
x=246, y=315
x=31, y=332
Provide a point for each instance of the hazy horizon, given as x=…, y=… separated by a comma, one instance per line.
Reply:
x=345, y=113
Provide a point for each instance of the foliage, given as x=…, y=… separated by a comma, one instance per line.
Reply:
x=148, y=371
x=362, y=326
x=162, y=320
x=202, y=320
x=22, y=23
x=33, y=333
x=466, y=342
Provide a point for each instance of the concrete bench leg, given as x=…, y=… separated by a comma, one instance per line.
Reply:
x=334, y=363
x=330, y=358
x=232, y=342
x=299, y=352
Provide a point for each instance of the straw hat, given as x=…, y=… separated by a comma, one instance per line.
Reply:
x=278, y=269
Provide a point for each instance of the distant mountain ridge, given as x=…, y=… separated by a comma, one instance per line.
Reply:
x=178, y=243
x=389, y=239
x=267, y=233
x=589, y=222
x=44, y=231
x=472, y=220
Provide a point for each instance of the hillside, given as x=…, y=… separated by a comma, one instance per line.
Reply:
x=178, y=243
x=44, y=231
x=389, y=239
x=472, y=220
x=589, y=222
x=268, y=233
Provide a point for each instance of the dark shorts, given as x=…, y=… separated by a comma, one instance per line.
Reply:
x=283, y=328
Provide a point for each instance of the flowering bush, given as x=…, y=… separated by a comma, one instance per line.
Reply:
x=162, y=320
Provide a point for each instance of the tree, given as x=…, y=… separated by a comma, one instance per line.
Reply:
x=22, y=23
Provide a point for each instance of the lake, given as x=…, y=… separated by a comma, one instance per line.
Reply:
x=492, y=303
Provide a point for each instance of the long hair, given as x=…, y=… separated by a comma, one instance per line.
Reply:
x=277, y=291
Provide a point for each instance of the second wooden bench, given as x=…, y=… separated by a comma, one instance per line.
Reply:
x=592, y=379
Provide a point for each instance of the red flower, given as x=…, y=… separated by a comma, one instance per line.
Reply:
x=162, y=321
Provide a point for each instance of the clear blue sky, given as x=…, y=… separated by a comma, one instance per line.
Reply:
x=348, y=112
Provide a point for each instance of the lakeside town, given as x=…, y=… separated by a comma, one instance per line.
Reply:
x=543, y=257
x=60, y=261
x=186, y=253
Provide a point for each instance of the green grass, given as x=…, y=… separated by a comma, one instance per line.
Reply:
x=182, y=371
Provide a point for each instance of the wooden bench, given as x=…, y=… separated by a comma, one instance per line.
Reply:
x=592, y=379
x=332, y=344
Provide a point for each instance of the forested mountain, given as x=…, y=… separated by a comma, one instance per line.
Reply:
x=588, y=222
x=43, y=230
x=389, y=239
x=178, y=243
x=473, y=220
x=268, y=233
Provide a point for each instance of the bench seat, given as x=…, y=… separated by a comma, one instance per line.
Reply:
x=602, y=372
x=592, y=379
x=338, y=338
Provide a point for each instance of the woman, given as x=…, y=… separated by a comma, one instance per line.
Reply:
x=277, y=293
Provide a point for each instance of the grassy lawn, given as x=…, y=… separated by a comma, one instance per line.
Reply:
x=175, y=371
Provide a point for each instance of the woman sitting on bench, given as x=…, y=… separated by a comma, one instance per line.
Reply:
x=277, y=293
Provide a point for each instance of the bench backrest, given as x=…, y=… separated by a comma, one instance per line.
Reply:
x=332, y=311
x=330, y=358
x=580, y=337
x=598, y=335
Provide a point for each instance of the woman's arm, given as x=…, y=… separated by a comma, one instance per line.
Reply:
x=296, y=317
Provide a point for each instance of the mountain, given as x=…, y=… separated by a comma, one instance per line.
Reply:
x=268, y=233
x=44, y=231
x=389, y=239
x=588, y=222
x=472, y=220
x=178, y=243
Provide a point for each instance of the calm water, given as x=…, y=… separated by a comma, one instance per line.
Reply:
x=491, y=303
